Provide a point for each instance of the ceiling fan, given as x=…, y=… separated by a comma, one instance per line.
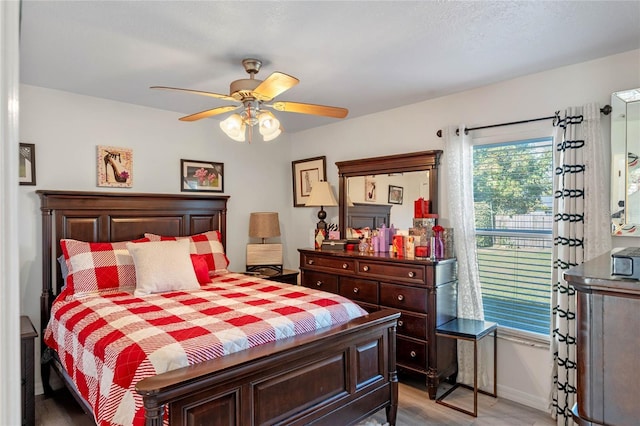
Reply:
x=253, y=95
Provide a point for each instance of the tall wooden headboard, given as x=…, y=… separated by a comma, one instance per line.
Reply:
x=369, y=215
x=107, y=217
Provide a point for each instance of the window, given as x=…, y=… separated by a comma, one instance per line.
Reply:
x=513, y=196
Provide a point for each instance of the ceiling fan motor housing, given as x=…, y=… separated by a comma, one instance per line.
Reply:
x=243, y=89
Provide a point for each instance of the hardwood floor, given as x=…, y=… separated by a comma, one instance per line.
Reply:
x=414, y=409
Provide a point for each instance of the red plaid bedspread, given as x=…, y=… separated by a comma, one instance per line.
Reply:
x=108, y=343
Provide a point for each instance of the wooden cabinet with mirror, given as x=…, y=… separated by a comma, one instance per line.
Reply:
x=424, y=291
x=416, y=173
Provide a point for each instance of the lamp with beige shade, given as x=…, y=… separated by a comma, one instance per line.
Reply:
x=263, y=257
x=321, y=196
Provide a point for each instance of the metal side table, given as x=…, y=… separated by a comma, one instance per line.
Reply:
x=472, y=330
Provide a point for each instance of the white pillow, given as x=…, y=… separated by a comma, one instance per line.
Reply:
x=162, y=266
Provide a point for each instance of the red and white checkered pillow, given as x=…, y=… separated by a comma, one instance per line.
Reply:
x=98, y=267
x=206, y=244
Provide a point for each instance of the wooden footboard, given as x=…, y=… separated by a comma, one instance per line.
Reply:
x=333, y=377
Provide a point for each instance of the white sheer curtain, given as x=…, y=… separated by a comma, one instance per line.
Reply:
x=581, y=231
x=459, y=180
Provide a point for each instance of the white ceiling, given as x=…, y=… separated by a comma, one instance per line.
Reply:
x=365, y=56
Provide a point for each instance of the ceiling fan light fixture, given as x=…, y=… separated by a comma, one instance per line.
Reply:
x=234, y=127
x=252, y=93
x=269, y=126
x=272, y=135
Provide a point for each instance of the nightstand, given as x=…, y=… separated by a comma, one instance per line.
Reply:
x=287, y=276
x=27, y=337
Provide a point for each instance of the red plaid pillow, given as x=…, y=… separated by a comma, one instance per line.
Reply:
x=99, y=266
x=206, y=244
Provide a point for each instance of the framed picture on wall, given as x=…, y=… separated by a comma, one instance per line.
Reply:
x=201, y=176
x=395, y=194
x=27, y=164
x=115, y=166
x=369, y=188
x=304, y=174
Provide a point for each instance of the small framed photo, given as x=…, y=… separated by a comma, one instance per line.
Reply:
x=201, y=176
x=115, y=167
x=395, y=194
x=27, y=164
x=305, y=173
x=369, y=188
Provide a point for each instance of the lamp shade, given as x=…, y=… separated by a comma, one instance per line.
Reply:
x=321, y=195
x=234, y=127
x=264, y=225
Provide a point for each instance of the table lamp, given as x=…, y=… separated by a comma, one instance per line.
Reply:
x=321, y=195
x=264, y=256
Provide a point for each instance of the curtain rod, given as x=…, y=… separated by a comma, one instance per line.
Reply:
x=606, y=110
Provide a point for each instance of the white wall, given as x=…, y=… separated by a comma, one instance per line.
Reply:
x=66, y=129
x=524, y=370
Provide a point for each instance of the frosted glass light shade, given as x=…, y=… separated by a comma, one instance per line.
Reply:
x=269, y=126
x=234, y=127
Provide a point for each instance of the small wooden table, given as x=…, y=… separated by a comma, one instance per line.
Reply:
x=475, y=330
x=27, y=337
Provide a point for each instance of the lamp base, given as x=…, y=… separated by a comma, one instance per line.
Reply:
x=322, y=215
x=264, y=256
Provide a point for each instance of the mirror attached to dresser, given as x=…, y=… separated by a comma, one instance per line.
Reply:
x=392, y=182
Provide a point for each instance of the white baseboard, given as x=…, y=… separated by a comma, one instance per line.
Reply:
x=515, y=395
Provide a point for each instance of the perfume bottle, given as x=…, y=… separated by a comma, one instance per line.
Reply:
x=363, y=246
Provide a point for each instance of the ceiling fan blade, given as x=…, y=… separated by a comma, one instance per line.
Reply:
x=196, y=92
x=273, y=85
x=209, y=113
x=327, y=111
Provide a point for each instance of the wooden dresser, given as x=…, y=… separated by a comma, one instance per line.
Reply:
x=608, y=310
x=424, y=292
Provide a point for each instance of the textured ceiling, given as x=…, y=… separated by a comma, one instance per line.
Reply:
x=365, y=56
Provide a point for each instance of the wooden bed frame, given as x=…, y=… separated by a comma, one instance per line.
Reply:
x=337, y=375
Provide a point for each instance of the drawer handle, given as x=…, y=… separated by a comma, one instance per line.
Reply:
x=400, y=297
x=365, y=268
x=400, y=323
x=412, y=274
x=345, y=266
x=319, y=283
x=310, y=262
x=413, y=354
x=356, y=290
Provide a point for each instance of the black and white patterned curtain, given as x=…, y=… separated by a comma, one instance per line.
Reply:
x=581, y=231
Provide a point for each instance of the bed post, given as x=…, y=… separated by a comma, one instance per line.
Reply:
x=392, y=409
x=46, y=296
x=153, y=412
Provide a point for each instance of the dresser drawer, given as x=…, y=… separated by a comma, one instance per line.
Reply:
x=404, y=297
x=359, y=290
x=412, y=325
x=395, y=272
x=411, y=353
x=342, y=265
x=320, y=281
